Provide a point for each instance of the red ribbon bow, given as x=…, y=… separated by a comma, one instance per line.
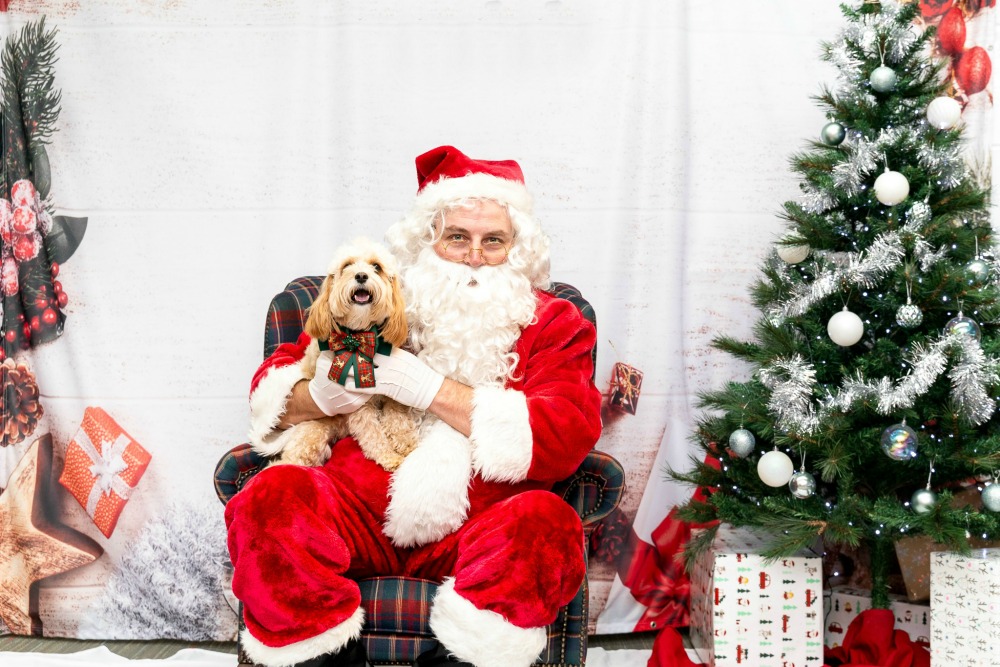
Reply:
x=353, y=350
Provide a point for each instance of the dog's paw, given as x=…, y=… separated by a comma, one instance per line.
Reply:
x=430, y=489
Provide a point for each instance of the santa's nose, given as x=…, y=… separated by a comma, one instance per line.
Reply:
x=361, y=277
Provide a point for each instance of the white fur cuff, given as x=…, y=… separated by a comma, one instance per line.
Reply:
x=268, y=403
x=430, y=489
x=482, y=637
x=285, y=656
x=501, y=434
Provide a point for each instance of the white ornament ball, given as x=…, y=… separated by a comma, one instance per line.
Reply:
x=845, y=328
x=793, y=254
x=923, y=500
x=775, y=468
x=742, y=441
x=891, y=187
x=802, y=485
x=944, y=112
x=991, y=497
x=883, y=79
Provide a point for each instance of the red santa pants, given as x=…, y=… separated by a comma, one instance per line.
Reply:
x=300, y=537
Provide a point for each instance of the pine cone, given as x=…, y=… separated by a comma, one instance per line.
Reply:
x=19, y=405
x=610, y=537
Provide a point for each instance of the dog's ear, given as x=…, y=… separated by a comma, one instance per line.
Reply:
x=319, y=324
x=395, y=329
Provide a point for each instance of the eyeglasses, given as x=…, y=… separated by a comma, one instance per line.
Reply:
x=492, y=252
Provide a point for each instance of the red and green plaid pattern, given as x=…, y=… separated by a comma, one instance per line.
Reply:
x=397, y=608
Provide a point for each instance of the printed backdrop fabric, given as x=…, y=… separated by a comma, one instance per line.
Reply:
x=220, y=149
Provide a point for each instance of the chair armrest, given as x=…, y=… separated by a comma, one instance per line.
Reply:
x=236, y=468
x=595, y=489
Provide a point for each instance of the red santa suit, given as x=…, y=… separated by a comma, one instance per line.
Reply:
x=510, y=553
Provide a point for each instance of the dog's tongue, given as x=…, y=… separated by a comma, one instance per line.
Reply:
x=361, y=296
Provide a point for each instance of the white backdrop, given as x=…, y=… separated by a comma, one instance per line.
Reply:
x=220, y=149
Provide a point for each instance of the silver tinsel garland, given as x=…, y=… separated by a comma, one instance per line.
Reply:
x=793, y=385
x=863, y=269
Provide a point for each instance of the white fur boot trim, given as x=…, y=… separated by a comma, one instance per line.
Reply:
x=482, y=637
x=268, y=404
x=429, y=492
x=502, y=443
x=285, y=656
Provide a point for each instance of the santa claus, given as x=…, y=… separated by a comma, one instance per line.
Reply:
x=501, y=372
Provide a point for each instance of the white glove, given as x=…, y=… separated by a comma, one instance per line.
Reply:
x=404, y=378
x=330, y=396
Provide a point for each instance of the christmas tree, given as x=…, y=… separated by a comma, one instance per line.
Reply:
x=875, y=362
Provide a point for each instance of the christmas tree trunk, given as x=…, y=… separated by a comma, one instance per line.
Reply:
x=875, y=364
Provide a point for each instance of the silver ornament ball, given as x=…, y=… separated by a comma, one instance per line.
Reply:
x=802, y=485
x=923, y=500
x=742, y=441
x=909, y=316
x=883, y=79
x=919, y=214
x=991, y=497
x=978, y=270
x=833, y=133
x=963, y=325
x=899, y=442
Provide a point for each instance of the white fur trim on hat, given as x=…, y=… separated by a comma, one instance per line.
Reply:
x=482, y=637
x=501, y=434
x=267, y=406
x=429, y=492
x=479, y=186
x=326, y=642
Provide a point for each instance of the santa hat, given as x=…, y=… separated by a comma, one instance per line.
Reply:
x=446, y=174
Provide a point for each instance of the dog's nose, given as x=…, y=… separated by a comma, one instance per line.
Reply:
x=361, y=277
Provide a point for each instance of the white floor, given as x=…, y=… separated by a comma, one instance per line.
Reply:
x=100, y=656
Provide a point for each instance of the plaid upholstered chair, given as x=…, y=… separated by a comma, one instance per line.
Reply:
x=397, y=608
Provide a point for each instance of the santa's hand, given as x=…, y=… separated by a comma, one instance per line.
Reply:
x=404, y=378
x=330, y=396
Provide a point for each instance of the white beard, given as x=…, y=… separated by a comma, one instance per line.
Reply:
x=464, y=321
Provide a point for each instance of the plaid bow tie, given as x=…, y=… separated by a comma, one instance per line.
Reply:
x=354, y=350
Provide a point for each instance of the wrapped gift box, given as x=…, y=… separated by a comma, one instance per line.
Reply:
x=626, y=382
x=747, y=611
x=914, y=553
x=844, y=603
x=103, y=465
x=965, y=607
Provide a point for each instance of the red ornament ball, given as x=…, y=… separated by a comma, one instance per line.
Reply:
x=951, y=32
x=49, y=317
x=973, y=70
x=62, y=299
x=55, y=269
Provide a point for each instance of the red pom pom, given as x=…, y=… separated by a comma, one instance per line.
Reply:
x=951, y=32
x=973, y=70
x=22, y=193
x=24, y=220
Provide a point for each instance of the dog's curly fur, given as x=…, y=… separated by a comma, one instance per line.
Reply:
x=361, y=288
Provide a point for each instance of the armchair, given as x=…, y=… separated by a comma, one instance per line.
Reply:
x=397, y=608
